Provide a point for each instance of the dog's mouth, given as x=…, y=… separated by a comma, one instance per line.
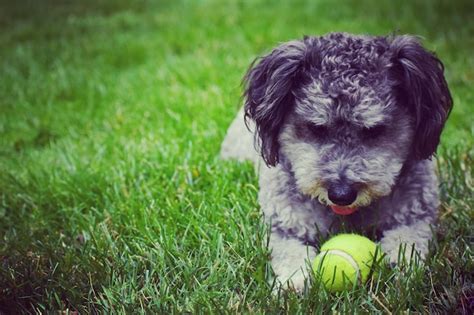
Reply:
x=343, y=210
x=319, y=192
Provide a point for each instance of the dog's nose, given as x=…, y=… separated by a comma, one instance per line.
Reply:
x=342, y=194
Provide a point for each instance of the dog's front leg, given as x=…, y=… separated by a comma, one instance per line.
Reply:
x=412, y=210
x=290, y=261
x=293, y=219
x=411, y=238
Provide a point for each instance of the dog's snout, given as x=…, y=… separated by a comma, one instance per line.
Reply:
x=342, y=194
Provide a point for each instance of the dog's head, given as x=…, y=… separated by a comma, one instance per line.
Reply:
x=346, y=112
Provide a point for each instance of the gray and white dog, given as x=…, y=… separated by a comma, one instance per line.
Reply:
x=345, y=128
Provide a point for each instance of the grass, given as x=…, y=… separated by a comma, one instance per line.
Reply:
x=112, y=198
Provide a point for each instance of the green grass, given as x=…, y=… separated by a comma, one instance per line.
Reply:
x=112, y=198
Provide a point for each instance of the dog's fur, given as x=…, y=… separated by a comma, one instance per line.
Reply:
x=343, y=111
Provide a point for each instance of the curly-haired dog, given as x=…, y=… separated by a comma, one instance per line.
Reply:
x=345, y=127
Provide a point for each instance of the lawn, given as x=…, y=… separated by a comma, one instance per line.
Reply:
x=112, y=195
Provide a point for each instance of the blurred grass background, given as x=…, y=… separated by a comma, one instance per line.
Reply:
x=111, y=194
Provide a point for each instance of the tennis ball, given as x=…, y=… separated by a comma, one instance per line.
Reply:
x=345, y=259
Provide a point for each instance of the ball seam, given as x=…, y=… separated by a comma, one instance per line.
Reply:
x=344, y=255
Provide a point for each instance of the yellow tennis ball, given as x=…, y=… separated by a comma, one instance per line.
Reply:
x=344, y=260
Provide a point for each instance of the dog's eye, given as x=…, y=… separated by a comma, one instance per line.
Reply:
x=317, y=130
x=373, y=132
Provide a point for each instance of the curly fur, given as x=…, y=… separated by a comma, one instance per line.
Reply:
x=352, y=112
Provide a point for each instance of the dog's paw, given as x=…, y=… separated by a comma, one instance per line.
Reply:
x=291, y=263
x=296, y=282
x=392, y=252
x=405, y=243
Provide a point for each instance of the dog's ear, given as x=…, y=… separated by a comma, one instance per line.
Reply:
x=421, y=86
x=268, y=94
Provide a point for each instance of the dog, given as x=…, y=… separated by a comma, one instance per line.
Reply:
x=345, y=127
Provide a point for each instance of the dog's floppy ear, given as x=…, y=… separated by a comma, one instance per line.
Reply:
x=421, y=86
x=268, y=96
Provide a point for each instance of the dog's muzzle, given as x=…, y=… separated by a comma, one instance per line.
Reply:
x=342, y=195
